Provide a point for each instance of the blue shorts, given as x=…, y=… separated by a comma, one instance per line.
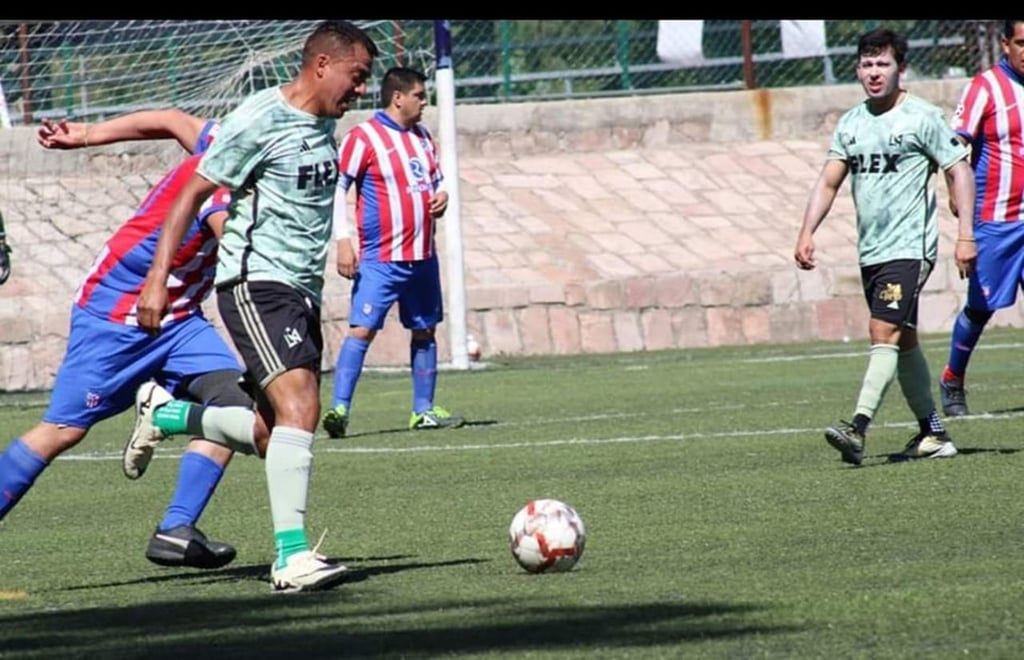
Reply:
x=1000, y=268
x=414, y=285
x=105, y=363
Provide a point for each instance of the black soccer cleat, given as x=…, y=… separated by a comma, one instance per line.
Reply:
x=185, y=545
x=954, y=399
x=844, y=437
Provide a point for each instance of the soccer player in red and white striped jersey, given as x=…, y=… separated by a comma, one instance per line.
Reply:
x=391, y=158
x=990, y=117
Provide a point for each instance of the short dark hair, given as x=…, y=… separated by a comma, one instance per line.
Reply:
x=398, y=79
x=877, y=40
x=336, y=36
x=1008, y=28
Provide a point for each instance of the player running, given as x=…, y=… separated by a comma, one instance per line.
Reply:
x=109, y=359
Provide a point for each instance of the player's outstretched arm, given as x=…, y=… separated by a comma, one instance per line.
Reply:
x=167, y=123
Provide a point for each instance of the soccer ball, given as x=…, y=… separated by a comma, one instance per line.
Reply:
x=547, y=536
x=473, y=349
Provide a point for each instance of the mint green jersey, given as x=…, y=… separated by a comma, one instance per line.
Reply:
x=281, y=165
x=891, y=159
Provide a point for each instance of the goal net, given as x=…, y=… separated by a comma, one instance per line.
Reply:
x=60, y=206
x=95, y=69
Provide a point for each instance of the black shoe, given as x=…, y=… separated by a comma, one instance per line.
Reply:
x=336, y=421
x=845, y=438
x=185, y=545
x=954, y=399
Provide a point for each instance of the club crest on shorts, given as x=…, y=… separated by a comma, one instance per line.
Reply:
x=92, y=399
x=292, y=337
x=893, y=293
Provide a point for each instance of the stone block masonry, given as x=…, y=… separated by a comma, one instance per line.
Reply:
x=626, y=224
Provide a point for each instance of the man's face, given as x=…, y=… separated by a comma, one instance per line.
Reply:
x=1014, y=48
x=410, y=104
x=879, y=74
x=343, y=80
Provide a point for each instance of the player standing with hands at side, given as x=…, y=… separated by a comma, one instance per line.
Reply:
x=277, y=154
x=392, y=160
x=891, y=145
x=990, y=117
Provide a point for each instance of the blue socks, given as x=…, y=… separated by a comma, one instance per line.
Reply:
x=198, y=477
x=347, y=370
x=19, y=467
x=423, y=359
x=966, y=332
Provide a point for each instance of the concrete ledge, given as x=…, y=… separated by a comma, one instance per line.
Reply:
x=589, y=226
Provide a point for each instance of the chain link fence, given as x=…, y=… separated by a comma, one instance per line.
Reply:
x=92, y=69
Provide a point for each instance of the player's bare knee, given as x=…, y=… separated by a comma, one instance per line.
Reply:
x=425, y=334
x=50, y=440
x=359, y=332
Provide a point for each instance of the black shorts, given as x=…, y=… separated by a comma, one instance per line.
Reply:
x=892, y=289
x=274, y=327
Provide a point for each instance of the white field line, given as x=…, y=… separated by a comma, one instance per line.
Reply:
x=853, y=352
x=348, y=449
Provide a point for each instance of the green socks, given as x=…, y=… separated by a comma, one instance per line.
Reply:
x=288, y=465
x=880, y=373
x=288, y=543
x=916, y=382
x=173, y=417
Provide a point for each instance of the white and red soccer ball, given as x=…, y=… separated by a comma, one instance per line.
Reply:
x=473, y=349
x=547, y=536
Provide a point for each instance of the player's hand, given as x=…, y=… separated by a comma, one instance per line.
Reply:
x=804, y=253
x=348, y=262
x=966, y=256
x=61, y=134
x=438, y=204
x=152, y=305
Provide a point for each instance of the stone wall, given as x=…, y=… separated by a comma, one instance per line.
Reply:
x=623, y=224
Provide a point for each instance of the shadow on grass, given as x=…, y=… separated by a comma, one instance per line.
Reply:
x=897, y=459
x=261, y=572
x=429, y=432
x=328, y=625
x=1000, y=411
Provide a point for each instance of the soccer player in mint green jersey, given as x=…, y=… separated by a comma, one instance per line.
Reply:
x=891, y=145
x=276, y=153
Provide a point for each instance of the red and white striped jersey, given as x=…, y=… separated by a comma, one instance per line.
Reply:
x=396, y=172
x=991, y=116
x=113, y=283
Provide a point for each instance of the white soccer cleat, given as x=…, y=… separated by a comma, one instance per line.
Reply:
x=307, y=571
x=927, y=445
x=138, y=451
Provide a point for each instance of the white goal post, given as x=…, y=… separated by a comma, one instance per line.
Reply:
x=453, y=255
